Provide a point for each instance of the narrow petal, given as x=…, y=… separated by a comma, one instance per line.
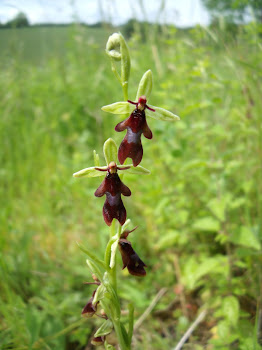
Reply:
x=125, y=190
x=122, y=125
x=101, y=189
x=147, y=132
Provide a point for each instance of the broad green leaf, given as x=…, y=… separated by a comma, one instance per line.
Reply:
x=225, y=334
x=96, y=159
x=192, y=164
x=206, y=224
x=119, y=108
x=230, y=308
x=168, y=240
x=194, y=270
x=161, y=114
x=110, y=151
x=138, y=170
x=113, y=254
x=104, y=329
x=246, y=238
x=145, y=85
x=90, y=172
x=218, y=207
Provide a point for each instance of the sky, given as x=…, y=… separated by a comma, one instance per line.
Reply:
x=182, y=13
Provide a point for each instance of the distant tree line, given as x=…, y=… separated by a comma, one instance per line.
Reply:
x=235, y=11
x=19, y=21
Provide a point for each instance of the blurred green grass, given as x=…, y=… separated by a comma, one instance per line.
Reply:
x=199, y=213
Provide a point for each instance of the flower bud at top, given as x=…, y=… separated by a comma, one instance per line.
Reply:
x=113, y=47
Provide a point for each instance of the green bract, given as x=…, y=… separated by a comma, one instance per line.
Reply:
x=105, y=329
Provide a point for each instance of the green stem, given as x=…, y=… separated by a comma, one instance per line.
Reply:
x=121, y=335
x=130, y=323
x=125, y=90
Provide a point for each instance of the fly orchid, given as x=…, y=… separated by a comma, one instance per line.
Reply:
x=136, y=124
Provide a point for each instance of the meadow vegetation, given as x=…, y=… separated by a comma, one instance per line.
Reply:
x=199, y=213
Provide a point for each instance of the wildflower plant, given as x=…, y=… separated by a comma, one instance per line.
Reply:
x=104, y=301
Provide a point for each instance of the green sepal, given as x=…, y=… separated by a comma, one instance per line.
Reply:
x=145, y=85
x=113, y=254
x=96, y=159
x=90, y=172
x=99, y=294
x=138, y=170
x=119, y=108
x=110, y=151
x=104, y=329
x=161, y=114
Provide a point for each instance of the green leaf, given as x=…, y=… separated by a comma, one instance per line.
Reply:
x=168, y=240
x=218, y=207
x=194, y=270
x=246, y=238
x=110, y=151
x=118, y=108
x=104, y=329
x=161, y=114
x=93, y=262
x=138, y=170
x=206, y=224
x=90, y=172
x=230, y=308
x=145, y=85
x=113, y=254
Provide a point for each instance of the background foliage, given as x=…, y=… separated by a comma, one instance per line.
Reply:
x=199, y=213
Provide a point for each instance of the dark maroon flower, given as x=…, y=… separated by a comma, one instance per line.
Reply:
x=90, y=309
x=130, y=258
x=113, y=187
x=98, y=341
x=136, y=125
